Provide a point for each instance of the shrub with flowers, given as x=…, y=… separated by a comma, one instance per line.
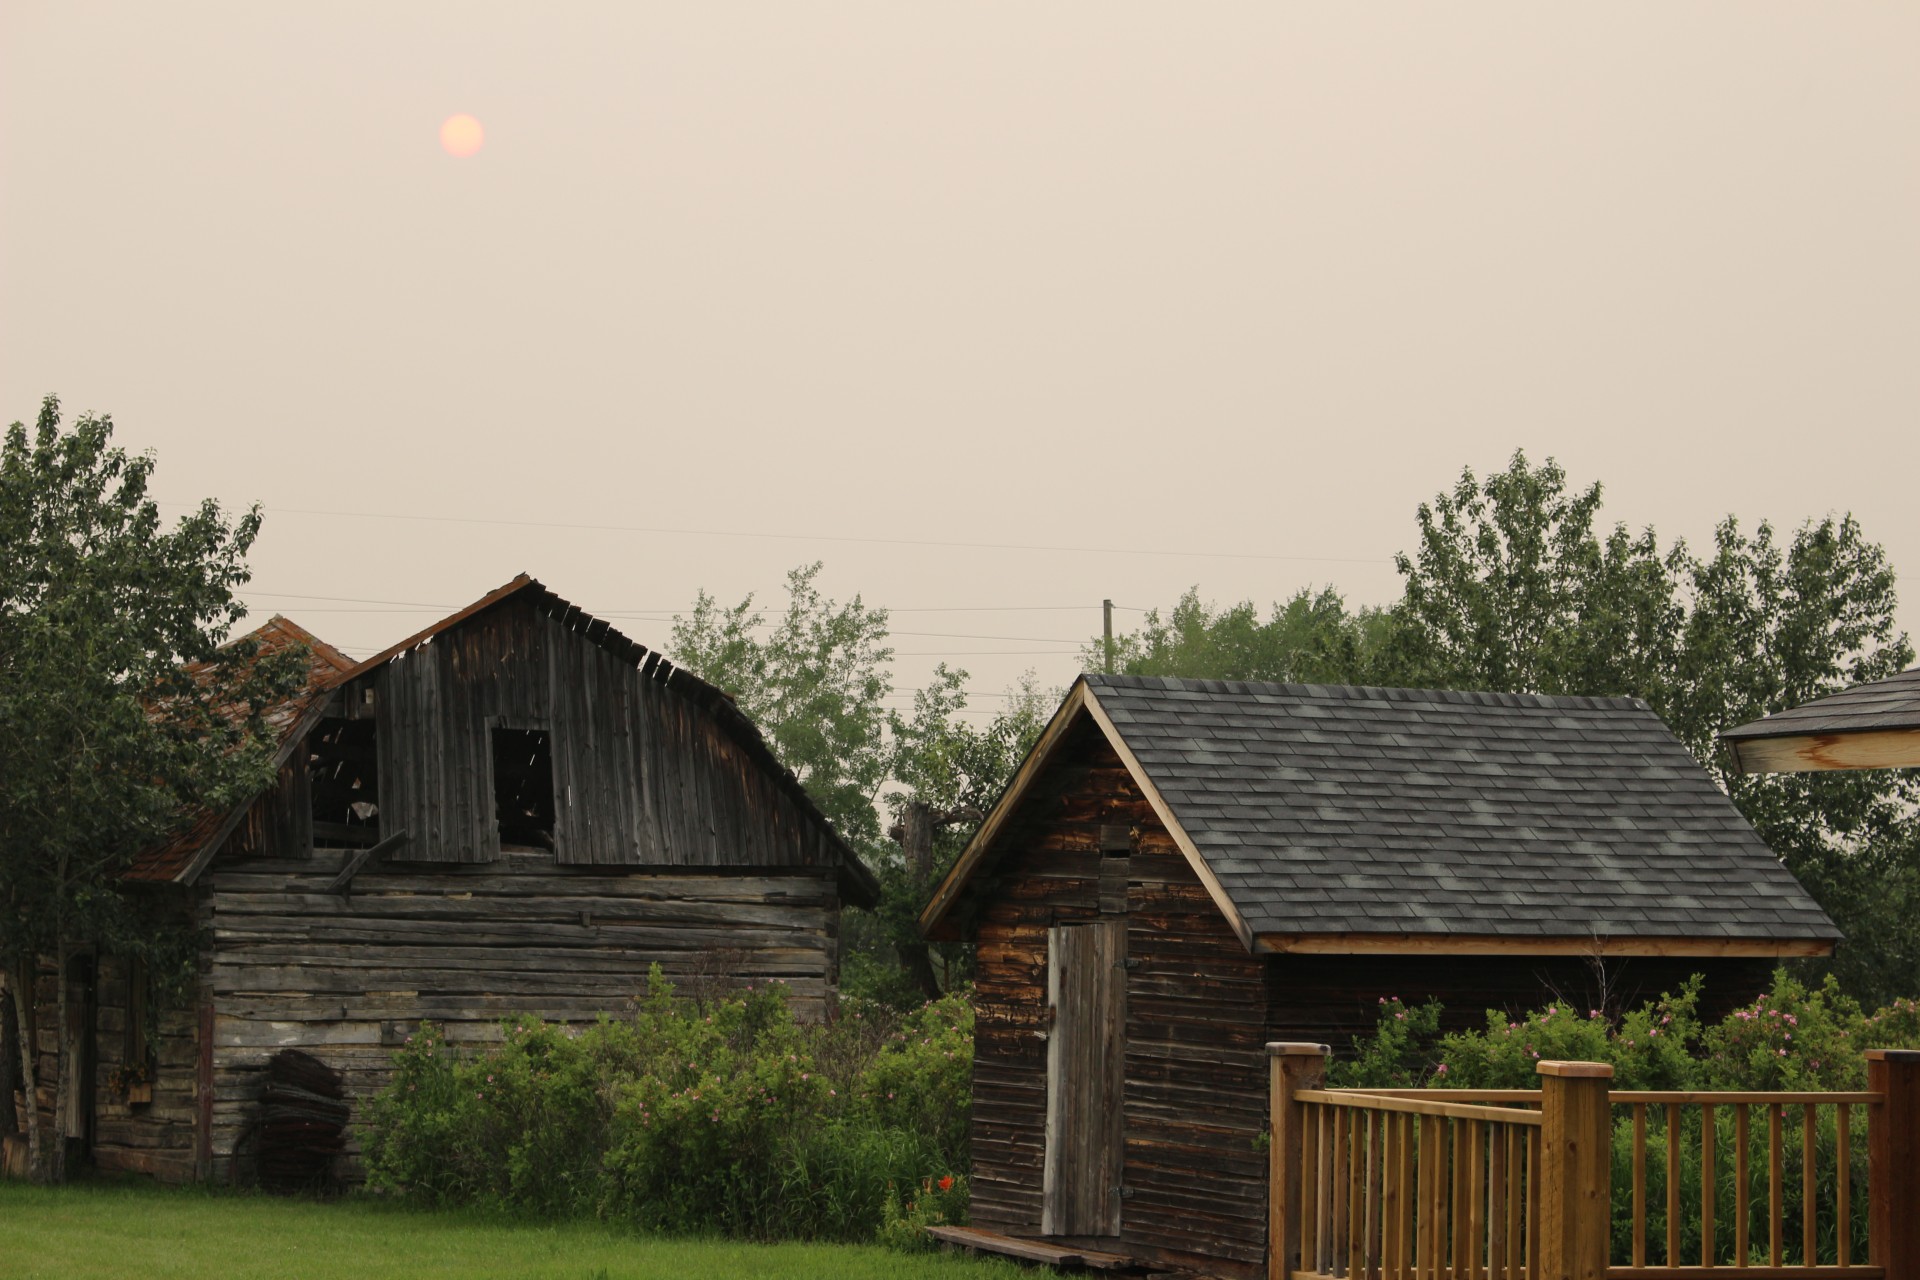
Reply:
x=716, y=1115
x=1792, y=1038
x=921, y=1080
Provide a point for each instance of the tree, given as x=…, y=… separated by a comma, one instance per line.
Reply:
x=815, y=677
x=951, y=775
x=120, y=711
x=1513, y=587
x=1516, y=584
x=1311, y=639
x=815, y=682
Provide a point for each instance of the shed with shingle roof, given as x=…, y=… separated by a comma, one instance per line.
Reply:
x=1184, y=870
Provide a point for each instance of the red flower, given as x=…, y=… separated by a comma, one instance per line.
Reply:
x=946, y=1183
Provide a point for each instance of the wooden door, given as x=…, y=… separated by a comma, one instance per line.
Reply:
x=1086, y=1078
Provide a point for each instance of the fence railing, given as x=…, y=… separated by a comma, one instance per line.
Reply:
x=1574, y=1181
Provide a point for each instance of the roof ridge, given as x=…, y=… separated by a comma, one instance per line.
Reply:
x=1394, y=693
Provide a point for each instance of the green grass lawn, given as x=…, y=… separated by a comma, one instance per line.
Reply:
x=123, y=1230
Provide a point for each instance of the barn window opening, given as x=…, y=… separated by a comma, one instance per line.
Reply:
x=523, y=787
x=344, y=775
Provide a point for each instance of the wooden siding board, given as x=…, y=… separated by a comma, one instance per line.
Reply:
x=1196, y=1182
x=293, y=967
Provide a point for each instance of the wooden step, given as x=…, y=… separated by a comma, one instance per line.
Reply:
x=1067, y=1257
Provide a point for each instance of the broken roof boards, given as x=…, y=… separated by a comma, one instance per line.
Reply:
x=625, y=677
x=1347, y=819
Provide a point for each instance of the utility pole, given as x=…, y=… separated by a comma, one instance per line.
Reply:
x=1106, y=614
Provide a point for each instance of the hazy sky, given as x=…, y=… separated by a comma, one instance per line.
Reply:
x=755, y=283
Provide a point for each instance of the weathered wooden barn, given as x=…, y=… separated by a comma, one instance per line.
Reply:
x=516, y=811
x=1183, y=871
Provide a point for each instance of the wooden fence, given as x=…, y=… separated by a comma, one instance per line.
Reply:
x=1520, y=1184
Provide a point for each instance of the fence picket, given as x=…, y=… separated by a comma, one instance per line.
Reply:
x=1639, y=1184
x=1673, y=1184
x=1809, y=1218
x=1776, y=1188
x=1742, y=1184
x=1708, y=1134
x=1843, y=1176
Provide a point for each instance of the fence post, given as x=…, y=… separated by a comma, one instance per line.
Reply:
x=1893, y=1161
x=1576, y=1168
x=1290, y=1067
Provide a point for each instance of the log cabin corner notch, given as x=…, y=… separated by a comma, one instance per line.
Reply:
x=517, y=810
x=1294, y=854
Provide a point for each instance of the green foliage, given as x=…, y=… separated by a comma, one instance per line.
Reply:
x=1311, y=639
x=1515, y=587
x=1400, y=1054
x=813, y=678
x=1516, y=584
x=936, y=1202
x=1793, y=1037
x=950, y=772
x=121, y=716
x=717, y=1115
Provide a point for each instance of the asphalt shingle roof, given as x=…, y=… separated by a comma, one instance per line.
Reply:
x=1893, y=703
x=1336, y=809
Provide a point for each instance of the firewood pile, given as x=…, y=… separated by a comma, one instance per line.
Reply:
x=303, y=1123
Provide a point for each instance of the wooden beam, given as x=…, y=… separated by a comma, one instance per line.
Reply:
x=361, y=857
x=1808, y=753
x=1164, y=812
x=1507, y=944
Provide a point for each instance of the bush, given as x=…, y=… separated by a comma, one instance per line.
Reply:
x=1792, y=1038
x=714, y=1115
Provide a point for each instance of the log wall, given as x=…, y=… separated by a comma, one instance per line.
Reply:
x=1195, y=1102
x=152, y=1138
x=346, y=977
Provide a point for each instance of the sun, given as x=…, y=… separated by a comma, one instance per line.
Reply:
x=461, y=135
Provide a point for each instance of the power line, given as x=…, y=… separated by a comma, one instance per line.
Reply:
x=636, y=612
x=813, y=537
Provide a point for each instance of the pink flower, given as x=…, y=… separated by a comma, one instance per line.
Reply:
x=1440, y=1070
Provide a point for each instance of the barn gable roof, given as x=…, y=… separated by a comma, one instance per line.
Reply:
x=1338, y=818
x=189, y=853
x=1874, y=725
x=858, y=883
